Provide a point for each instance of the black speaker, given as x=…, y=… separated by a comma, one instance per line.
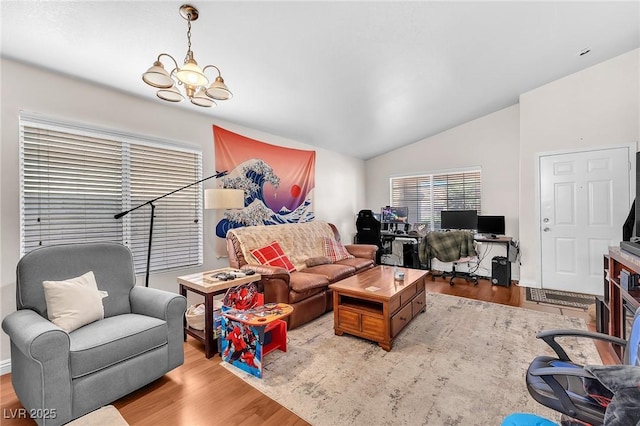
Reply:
x=500, y=271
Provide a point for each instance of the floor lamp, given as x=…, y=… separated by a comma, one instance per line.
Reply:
x=222, y=196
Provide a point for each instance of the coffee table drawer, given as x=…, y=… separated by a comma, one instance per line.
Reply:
x=407, y=294
x=418, y=304
x=400, y=320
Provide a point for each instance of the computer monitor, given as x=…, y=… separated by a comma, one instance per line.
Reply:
x=394, y=215
x=491, y=225
x=458, y=219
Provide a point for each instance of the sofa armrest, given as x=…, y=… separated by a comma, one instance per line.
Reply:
x=157, y=303
x=40, y=371
x=367, y=251
x=34, y=336
x=274, y=282
x=266, y=269
x=167, y=306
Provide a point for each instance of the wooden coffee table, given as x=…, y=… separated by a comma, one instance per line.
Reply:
x=374, y=306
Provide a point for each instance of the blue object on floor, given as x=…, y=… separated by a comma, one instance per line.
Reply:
x=525, y=419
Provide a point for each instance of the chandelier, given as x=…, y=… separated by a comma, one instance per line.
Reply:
x=190, y=75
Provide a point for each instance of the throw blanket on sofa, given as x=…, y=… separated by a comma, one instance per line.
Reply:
x=447, y=246
x=299, y=241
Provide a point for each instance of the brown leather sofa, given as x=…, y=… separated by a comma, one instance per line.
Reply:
x=306, y=289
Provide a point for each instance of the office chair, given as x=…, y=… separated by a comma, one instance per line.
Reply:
x=452, y=246
x=454, y=273
x=587, y=393
x=368, y=231
x=368, y=228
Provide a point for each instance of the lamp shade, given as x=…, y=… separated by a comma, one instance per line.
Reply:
x=157, y=76
x=192, y=74
x=218, y=90
x=202, y=100
x=172, y=94
x=223, y=198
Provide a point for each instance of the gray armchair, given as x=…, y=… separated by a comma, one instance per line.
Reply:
x=66, y=375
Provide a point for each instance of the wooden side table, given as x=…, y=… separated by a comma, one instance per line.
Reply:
x=204, y=284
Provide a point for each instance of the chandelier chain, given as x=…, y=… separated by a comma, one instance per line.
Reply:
x=188, y=35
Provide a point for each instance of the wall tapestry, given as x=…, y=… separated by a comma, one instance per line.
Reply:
x=278, y=182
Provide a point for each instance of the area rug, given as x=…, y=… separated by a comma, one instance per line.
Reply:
x=460, y=363
x=561, y=298
x=107, y=415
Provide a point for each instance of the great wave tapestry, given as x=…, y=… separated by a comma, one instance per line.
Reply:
x=278, y=182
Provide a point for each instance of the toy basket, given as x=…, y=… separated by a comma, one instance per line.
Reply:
x=195, y=316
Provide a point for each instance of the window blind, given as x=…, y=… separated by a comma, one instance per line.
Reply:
x=177, y=230
x=74, y=179
x=427, y=195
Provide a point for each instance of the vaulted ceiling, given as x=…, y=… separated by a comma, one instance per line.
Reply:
x=360, y=78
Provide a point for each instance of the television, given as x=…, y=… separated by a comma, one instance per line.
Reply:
x=458, y=219
x=493, y=225
x=394, y=215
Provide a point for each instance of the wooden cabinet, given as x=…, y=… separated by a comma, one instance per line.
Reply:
x=615, y=309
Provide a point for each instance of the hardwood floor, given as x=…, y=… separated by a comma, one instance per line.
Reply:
x=201, y=392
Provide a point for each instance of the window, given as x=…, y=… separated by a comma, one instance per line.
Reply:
x=74, y=179
x=427, y=195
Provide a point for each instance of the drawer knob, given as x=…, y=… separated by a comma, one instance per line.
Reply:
x=403, y=319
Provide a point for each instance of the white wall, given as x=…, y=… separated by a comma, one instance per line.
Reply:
x=595, y=107
x=339, y=191
x=490, y=142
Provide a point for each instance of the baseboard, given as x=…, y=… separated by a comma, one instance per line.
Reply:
x=5, y=367
x=528, y=283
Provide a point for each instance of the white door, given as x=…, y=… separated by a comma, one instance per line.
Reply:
x=584, y=200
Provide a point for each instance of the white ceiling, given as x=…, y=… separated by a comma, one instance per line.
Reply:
x=360, y=78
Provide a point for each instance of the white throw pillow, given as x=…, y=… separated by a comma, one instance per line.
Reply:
x=74, y=302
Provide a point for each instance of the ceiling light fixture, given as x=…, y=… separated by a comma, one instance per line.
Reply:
x=191, y=76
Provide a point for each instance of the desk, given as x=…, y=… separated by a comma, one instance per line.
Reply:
x=244, y=335
x=402, y=256
x=498, y=271
x=498, y=240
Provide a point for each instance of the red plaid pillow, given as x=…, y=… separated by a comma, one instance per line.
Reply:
x=335, y=251
x=273, y=255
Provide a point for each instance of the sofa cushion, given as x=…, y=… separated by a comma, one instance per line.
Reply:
x=302, y=281
x=359, y=263
x=112, y=340
x=332, y=271
x=334, y=250
x=273, y=255
x=315, y=261
x=296, y=297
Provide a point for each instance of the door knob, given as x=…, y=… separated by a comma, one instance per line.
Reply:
x=546, y=229
x=545, y=220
